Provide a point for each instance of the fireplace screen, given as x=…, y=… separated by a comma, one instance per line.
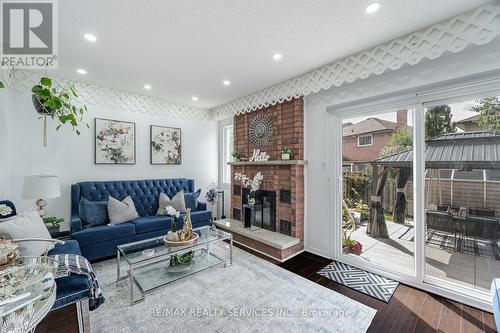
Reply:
x=263, y=213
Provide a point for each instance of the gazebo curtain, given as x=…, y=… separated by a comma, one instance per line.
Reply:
x=400, y=206
x=377, y=226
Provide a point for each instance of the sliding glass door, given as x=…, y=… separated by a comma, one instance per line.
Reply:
x=462, y=191
x=377, y=190
x=418, y=186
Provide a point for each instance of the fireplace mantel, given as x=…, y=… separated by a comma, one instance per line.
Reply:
x=289, y=162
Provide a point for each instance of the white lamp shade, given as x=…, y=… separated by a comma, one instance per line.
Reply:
x=41, y=187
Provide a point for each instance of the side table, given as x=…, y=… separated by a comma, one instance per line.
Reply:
x=59, y=234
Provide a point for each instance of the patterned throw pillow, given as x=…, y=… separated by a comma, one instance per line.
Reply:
x=191, y=199
x=121, y=211
x=177, y=202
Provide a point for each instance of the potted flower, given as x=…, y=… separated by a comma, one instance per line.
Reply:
x=252, y=184
x=174, y=214
x=286, y=154
x=58, y=102
x=351, y=246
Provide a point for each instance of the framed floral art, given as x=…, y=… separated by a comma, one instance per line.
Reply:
x=114, y=142
x=166, y=145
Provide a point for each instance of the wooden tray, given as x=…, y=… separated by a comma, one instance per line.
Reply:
x=194, y=239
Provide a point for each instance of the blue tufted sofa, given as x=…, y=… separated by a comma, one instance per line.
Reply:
x=101, y=241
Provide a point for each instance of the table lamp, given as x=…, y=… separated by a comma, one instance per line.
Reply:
x=41, y=187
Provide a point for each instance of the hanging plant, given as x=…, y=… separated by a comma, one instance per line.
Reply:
x=58, y=103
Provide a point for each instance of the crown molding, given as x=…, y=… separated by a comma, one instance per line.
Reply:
x=477, y=27
x=88, y=94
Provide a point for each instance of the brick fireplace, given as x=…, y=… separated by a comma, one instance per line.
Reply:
x=285, y=179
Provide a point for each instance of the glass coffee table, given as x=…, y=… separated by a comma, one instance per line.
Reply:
x=149, y=260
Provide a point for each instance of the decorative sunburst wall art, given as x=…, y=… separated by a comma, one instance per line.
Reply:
x=261, y=130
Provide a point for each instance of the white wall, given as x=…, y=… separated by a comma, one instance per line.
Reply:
x=71, y=157
x=317, y=220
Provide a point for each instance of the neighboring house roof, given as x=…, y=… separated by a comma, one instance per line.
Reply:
x=465, y=151
x=369, y=125
x=462, y=124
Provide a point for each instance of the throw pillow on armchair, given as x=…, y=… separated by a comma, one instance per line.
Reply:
x=28, y=224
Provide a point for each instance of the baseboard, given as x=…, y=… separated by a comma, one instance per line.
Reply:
x=317, y=252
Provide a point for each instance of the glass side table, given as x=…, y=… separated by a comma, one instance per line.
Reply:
x=27, y=293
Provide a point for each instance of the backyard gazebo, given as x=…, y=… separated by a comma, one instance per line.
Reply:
x=464, y=151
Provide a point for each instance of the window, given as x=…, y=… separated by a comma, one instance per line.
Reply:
x=365, y=140
x=227, y=147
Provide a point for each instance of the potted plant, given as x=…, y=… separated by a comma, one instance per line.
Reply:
x=238, y=156
x=53, y=223
x=286, y=154
x=59, y=103
x=351, y=246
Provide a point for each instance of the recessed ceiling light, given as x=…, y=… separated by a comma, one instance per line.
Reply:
x=147, y=87
x=226, y=82
x=194, y=98
x=81, y=71
x=277, y=56
x=90, y=37
x=373, y=7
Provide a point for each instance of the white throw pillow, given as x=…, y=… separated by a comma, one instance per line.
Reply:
x=121, y=211
x=177, y=202
x=28, y=224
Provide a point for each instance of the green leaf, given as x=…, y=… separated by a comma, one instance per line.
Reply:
x=77, y=132
x=44, y=94
x=1, y=85
x=73, y=91
x=37, y=88
x=45, y=81
x=58, y=127
x=87, y=125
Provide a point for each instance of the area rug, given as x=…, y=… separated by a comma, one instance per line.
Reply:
x=368, y=283
x=252, y=295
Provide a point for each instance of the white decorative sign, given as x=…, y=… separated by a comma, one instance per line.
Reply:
x=259, y=156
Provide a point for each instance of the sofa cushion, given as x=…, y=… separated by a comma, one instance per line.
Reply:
x=152, y=223
x=191, y=199
x=93, y=212
x=104, y=233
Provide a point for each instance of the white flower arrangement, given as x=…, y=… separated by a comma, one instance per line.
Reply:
x=252, y=184
x=5, y=210
x=171, y=211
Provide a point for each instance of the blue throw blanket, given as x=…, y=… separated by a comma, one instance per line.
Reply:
x=75, y=264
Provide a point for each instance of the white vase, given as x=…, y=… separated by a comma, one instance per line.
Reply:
x=285, y=157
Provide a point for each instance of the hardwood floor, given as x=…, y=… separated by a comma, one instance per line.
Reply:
x=410, y=310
